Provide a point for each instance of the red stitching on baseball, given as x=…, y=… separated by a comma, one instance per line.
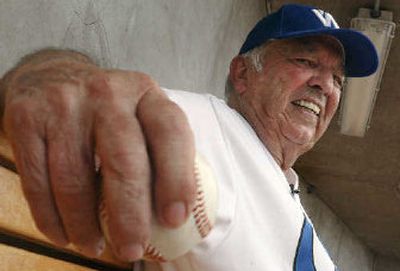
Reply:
x=199, y=211
x=152, y=254
x=203, y=224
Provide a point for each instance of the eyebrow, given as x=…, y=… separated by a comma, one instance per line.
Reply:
x=297, y=46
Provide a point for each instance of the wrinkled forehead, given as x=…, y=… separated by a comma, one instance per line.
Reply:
x=312, y=44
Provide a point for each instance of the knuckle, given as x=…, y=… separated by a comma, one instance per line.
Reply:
x=135, y=83
x=68, y=189
x=176, y=122
x=136, y=191
x=137, y=78
x=130, y=209
x=30, y=113
x=145, y=81
x=70, y=186
x=173, y=122
x=99, y=87
x=110, y=96
x=131, y=218
x=130, y=190
x=63, y=100
x=129, y=223
x=126, y=166
x=19, y=114
x=170, y=110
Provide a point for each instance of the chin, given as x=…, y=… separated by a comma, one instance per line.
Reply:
x=303, y=136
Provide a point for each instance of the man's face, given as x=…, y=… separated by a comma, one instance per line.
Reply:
x=297, y=93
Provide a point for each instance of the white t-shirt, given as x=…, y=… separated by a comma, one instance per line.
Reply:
x=260, y=225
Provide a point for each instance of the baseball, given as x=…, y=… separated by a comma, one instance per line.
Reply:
x=169, y=244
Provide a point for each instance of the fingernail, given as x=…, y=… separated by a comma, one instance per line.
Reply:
x=93, y=250
x=131, y=253
x=59, y=240
x=175, y=213
x=100, y=247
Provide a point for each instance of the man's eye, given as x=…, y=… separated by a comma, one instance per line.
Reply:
x=339, y=81
x=306, y=62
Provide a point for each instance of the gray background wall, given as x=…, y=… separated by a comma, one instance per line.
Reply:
x=183, y=44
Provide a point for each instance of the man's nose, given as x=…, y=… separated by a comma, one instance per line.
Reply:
x=322, y=79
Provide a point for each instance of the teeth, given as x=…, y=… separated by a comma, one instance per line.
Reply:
x=309, y=105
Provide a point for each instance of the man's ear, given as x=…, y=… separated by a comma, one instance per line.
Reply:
x=238, y=74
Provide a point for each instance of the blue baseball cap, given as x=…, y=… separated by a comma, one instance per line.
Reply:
x=292, y=20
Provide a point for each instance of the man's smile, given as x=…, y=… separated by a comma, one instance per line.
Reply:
x=313, y=107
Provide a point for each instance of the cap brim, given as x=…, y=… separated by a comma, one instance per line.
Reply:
x=361, y=58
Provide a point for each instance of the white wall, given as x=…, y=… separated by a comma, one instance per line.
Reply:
x=183, y=44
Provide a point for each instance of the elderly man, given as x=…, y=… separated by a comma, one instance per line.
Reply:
x=283, y=90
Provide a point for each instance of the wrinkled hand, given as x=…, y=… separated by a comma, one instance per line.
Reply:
x=60, y=111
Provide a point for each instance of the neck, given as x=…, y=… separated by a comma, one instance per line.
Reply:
x=280, y=149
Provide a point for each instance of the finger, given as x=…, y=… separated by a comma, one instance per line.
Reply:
x=72, y=171
x=126, y=181
x=29, y=150
x=171, y=145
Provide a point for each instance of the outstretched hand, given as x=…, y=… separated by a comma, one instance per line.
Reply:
x=60, y=112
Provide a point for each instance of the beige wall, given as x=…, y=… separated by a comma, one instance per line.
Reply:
x=386, y=264
x=347, y=251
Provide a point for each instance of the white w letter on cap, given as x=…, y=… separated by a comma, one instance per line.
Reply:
x=325, y=18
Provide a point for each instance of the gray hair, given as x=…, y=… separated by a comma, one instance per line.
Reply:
x=256, y=58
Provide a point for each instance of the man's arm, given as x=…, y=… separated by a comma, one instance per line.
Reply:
x=59, y=111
